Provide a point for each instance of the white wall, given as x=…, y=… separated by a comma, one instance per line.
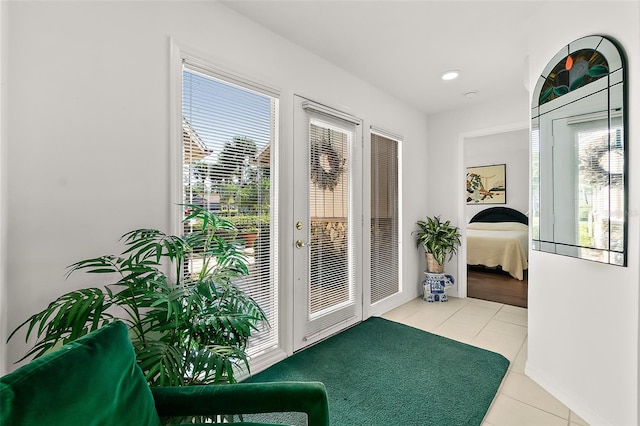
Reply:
x=510, y=148
x=583, y=343
x=583, y=316
x=3, y=192
x=88, y=146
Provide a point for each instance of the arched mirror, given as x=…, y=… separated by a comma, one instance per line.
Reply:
x=579, y=153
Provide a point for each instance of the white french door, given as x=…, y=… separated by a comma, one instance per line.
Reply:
x=327, y=222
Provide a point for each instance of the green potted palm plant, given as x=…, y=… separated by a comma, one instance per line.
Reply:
x=439, y=240
x=188, y=322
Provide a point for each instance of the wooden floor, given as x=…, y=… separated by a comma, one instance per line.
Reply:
x=497, y=286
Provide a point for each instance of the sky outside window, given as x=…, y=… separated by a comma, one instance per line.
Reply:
x=220, y=111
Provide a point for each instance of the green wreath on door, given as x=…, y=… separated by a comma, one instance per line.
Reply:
x=327, y=165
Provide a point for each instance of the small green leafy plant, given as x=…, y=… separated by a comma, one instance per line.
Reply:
x=188, y=325
x=438, y=238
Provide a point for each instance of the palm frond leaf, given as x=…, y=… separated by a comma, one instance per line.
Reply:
x=161, y=363
x=67, y=318
x=186, y=326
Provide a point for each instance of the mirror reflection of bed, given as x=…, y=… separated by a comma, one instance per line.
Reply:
x=497, y=256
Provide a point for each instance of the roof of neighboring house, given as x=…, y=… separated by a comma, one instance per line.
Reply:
x=194, y=148
x=263, y=158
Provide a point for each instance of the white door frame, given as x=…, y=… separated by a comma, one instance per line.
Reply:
x=305, y=109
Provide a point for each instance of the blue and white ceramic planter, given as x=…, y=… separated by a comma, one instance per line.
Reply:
x=434, y=286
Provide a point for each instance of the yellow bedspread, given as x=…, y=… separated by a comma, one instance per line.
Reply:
x=502, y=244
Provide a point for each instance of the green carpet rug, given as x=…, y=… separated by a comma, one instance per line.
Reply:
x=383, y=373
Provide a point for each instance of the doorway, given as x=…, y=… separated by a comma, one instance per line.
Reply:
x=505, y=145
x=327, y=204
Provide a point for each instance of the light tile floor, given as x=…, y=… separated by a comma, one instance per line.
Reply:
x=499, y=328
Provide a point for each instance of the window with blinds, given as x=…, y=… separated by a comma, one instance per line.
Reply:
x=385, y=217
x=534, y=219
x=330, y=284
x=598, y=146
x=229, y=130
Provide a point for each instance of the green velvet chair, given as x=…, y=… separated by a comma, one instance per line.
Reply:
x=95, y=381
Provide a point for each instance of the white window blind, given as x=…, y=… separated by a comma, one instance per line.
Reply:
x=534, y=221
x=600, y=180
x=229, y=163
x=330, y=285
x=385, y=217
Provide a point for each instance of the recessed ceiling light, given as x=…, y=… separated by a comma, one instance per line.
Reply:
x=450, y=75
x=471, y=94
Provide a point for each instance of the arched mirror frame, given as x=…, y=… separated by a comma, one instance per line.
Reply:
x=580, y=188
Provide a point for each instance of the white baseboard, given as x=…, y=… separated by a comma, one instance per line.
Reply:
x=261, y=362
x=562, y=395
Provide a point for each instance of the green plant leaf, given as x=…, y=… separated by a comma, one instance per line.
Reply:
x=186, y=327
x=441, y=239
x=70, y=316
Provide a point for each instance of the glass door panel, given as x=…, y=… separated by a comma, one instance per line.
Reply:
x=327, y=291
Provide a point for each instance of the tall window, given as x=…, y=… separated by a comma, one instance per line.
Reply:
x=598, y=146
x=229, y=130
x=385, y=217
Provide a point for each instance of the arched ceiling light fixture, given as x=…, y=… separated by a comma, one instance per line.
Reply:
x=450, y=75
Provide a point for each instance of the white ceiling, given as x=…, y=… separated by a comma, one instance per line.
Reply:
x=403, y=47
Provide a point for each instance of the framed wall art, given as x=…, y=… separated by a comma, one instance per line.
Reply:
x=487, y=184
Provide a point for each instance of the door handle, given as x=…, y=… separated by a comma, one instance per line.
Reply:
x=300, y=244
